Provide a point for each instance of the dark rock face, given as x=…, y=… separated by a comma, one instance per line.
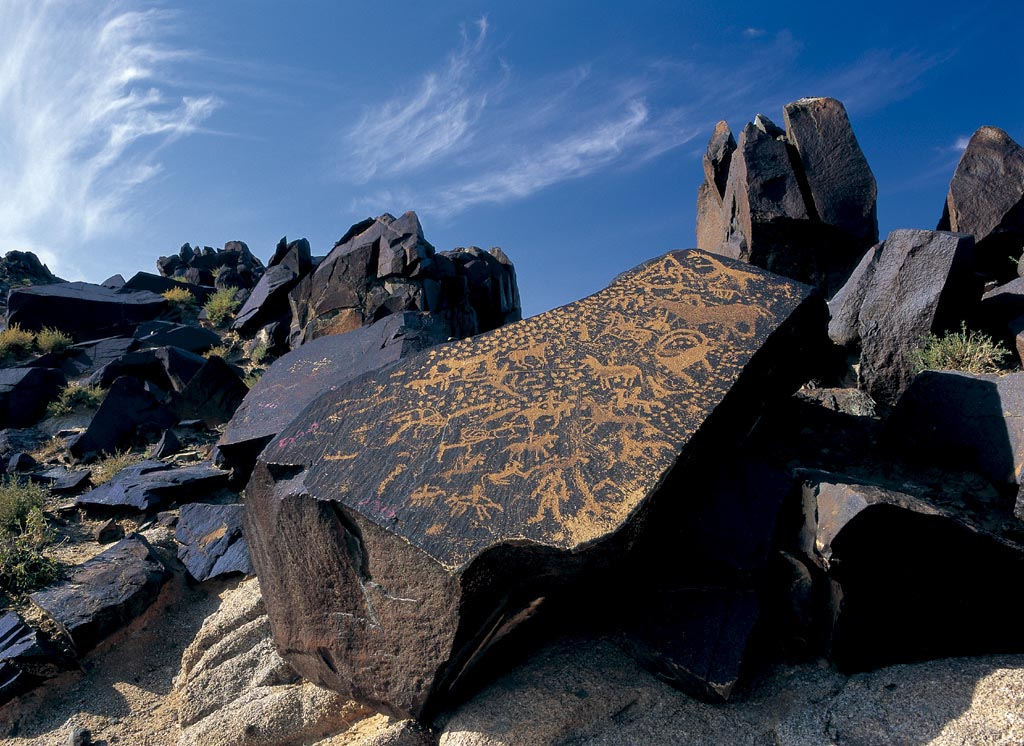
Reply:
x=105, y=593
x=168, y=445
x=25, y=392
x=269, y=299
x=986, y=199
x=87, y=357
x=25, y=658
x=914, y=283
x=82, y=310
x=211, y=540
x=403, y=522
x=799, y=202
x=160, y=285
x=168, y=334
x=20, y=269
x=385, y=266
x=126, y=410
x=316, y=367
x=212, y=394
x=909, y=581
x=234, y=259
x=169, y=368
x=154, y=484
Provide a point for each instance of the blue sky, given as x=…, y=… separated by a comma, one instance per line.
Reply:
x=568, y=133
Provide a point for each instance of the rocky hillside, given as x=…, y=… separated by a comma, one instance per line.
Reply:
x=747, y=473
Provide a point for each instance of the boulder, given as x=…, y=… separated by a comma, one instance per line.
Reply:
x=128, y=411
x=26, y=658
x=153, y=484
x=717, y=158
x=21, y=269
x=167, y=446
x=86, y=358
x=212, y=394
x=211, y=541
x=105, y=593
x=908, y=580
x=115, y=282
x=80, y=309
x=25, y=392
x=986, y=200
x=160, y=285
x=62, y=481
x=403, y=522
x=322, y=365
x=269, y=299
x=168, y=334
x=168, y=368
x=913, y=284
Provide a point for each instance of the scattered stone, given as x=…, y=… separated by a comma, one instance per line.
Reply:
x=83, y=310
x=409, y=519
x=105, y=593
x=153, y=484
x=109, y=531
x=168, y=368
x=212, y=394
x=15, y=439
x=986, y=199
x=913, y=284
x=211, y=540
x=127, y=412
x=167, y=446
x=26, y=659
x=20, y=462
x=25, y=392
x=63, y=481
x=168, y=334
x=79, y=736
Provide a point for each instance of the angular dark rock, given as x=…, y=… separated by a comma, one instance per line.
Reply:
x=127, y=410
x=63, y=481
x=160, y=285
x=268, y=301
x=324, y=364
x=211, y=540
x=212, y=394
x=22, y=268
x=986, y=199
x=26, y=659
x=15, y=439
x=109, y=531
x=183, y=336
x=154, y=484
x=404, y=522
x=909, y=581
x=82, y=310
x=20, y=462
x=105, y=593
x=86, y=358
x=115, y=282
x=25, y=392
x=168, y=445
x=915, y=283
x=717, y=157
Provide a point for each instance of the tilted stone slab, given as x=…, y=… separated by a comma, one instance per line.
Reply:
x=211, y=540
x=153, y=484
x=81, y=309
x=403, y=523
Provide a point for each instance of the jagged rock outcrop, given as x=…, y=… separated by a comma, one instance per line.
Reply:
x=234, y=259
x=799, y=202
x=25, y=392
x=26, y=658
x=986, y=199
x=402, y=523
x=83, y=310
x=22, y=269
x=385, y=266
x=210, y=540
x=268, y=301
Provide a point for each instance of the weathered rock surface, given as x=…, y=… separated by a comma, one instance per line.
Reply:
x=800, y=202
x=914, y=283
x=322, y=365
x=211, y=540
x=182, y=336
x=128, y=410
x=105, y=593
x=234, y=258
x=86, y=358
x=212, y=394
x=25, y=392
x=403, y=522
x=22, y=268
x=153, y=484
x=25, y=657
x=986, y=199
x=169, y=368
x=160, y=285
x=83, y=310
x=269, y=299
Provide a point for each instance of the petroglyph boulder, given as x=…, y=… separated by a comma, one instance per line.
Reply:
x=405, y=522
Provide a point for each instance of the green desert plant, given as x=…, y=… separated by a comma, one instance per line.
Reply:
x=252, y=377
x=52, y=340
x=966, y=351
x=24, y=534
x=72, y=396
x=15, y=341
x=180, y=297
x=108, y=466
x=221, y=306
x=259, y=353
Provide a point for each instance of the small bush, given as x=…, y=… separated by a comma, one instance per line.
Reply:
x=24, y=534
x=15, y=341
x=221, y=306
x=53, y=340
x=180, y=297
x=964, y=351
x=260, y=352
x=72, y=396
x=252, y=378
x=49, y=450
x=107, y=467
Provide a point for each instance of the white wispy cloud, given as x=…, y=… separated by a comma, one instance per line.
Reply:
x=85, y=109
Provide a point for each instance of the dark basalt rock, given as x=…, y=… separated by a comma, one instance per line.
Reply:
x=404, y=522
x=109, y=531
x=160, y=285
x=82, y=310
x=127, y=411
x=168, y=334
x=21, y=269
x=167, y=446
x=909, y=581
x=63, y=481
x=20, y=462
x=86, y=358
x=25, y=392
x=169, y=368
x=153, y=484
x=234, y=259
x=212, y=394
x=26, y=659
x=269, y=299
x=915, y=283
x=105, y=593
x=986, y=199
x=115, y=282
x=211, y=540
x=322, y=365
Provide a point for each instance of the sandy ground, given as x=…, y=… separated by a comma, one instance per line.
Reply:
x=124, y=694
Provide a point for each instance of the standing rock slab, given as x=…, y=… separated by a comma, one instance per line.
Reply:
x=211, y=541
x=986, y=199
x=83, y=310
x=105, y=593
x=127, y=410
x=212, y=394
x=406, y=521
x=25, y=392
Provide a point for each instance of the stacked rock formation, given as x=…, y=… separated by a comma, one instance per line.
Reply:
x=234, y=265
x=799, y=202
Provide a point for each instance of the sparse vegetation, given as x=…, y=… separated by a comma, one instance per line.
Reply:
x=107, y=467
x=15, y=341
x=966, y=351
x=252, y=377
x=50, y=450
x=72, y=396
x=180, y=297
x=24, y=534
x=259, y=353
x=53, y=340
x=221, y=306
